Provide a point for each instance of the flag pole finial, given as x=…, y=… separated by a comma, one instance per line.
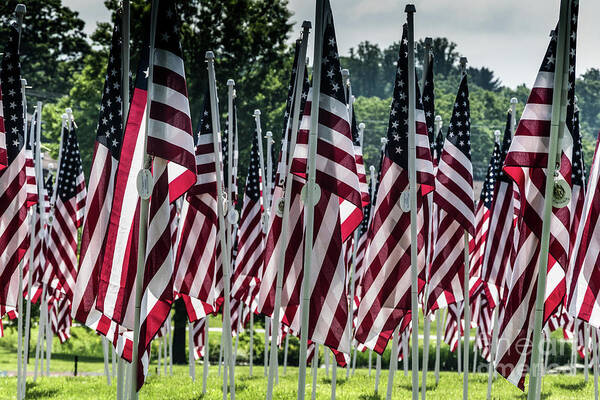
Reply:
x=209, y=55
x=410, y=8
x=497, y=136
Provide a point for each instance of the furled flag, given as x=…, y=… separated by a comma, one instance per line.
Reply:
x=386, y=283
x=482, y=219
x=69, y=208
x=170, y=142
x=428, y=99
x=101, y=189
x=337, y=176
x=526, y=163
x=452, y=334
x=251, y=239
x=197, y=261
x=14, y=240
x=498, y=246
x=199, y=337
x=454, y=198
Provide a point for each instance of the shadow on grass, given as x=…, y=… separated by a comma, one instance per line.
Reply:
x=571, y=386
x=339, y=381
x=71, y=357
x=34, y=391
x=372, y=396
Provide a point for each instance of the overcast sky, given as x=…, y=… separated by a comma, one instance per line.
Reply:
x=508, y=36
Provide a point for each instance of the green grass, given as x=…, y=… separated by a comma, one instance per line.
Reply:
x=88, y=347
x=360, y=386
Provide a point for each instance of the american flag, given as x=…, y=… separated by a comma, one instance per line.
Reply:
x=454, y=329
x=454, y=198
x=498, y=246
x=428, y=99
x=251, y=240
x=273, y=241
x=197, y=261
x=582, y=282
x=101, y=189
x=199, y=337
x=482, y=219
x=69, y=208
x=483, y=319
x=170, y=142
x=14, y=230
x=3, y=154
x=59, y=307
x=337, y=176
x=386, y=283
x=526, y=163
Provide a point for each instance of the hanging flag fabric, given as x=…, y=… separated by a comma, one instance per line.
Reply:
x=101, y=191
x=495, y=268
x=69, y=209
x=526, y=164
x=170, y=142
x=251, y=238
x=454, y=198
x=197, y=261
x=386, y=283
x=14, y=230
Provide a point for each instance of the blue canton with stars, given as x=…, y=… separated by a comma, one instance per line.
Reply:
x=495, y=165
x=428, y=99
x=331, y=75
x=459, y=129
x=501, y=175
x=12, y=97
x=253, y=182
x=70, y=166
x=397, y=134
x=110, y=122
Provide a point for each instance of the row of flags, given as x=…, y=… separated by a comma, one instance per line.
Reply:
x=183, y=253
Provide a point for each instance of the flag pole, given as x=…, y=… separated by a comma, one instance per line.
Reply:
x=384, y=141
x=230, y=218
x=314, y=369
x=426, y=318
x=466, y=302
x=404, y=337
x=493, y=353
x=475, y=350
x=595, y=357
x=312, y=192
x=285, y=353
x=346, y=81
x=144, y=206
x=34, y=137
x=373, y=182
x=438, y=312
x=191, y=362
x=557, y=126
x=220, y=211
x=206, y=356
x=393, y=362
x=20, y=11
x=125, y=24
x=105, y=351
x=306, y=25
x=333, y=378
x=412, y=149
x=586, y=339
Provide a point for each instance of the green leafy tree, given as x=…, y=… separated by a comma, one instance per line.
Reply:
x=53, y=45
x=365, y=65
x=484, y=78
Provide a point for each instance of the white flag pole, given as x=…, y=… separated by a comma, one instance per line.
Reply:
x=206, y=355
x=475, y=350
x=221, y=211
x=370, y=361
x=312, y=192
x=558, y=118
x=251, y=350
x=144, y=206
x=404, y=338
x=20, y=13
x=125, y=29
x=373, y=182
x=285, y=353
x=466, y=302
x=393, y=362
x=377, y=372
x=105, y=352
x=412, y=151
x=586, y=339
x=333, y=378
x=438, y=312
x=191, y=362
x=266, y=351
x=315, y=368
x=230, y=218
x=426, y=318
x=165, y=352
x=491, y=366
x=286, y=211
x=574, y=347
x=595, y=357
x=170, y=345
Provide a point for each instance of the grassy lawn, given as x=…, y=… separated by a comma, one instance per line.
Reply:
x=91, y=384
x=360, y=386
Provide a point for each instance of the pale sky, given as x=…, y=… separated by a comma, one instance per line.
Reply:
x=508, y=36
